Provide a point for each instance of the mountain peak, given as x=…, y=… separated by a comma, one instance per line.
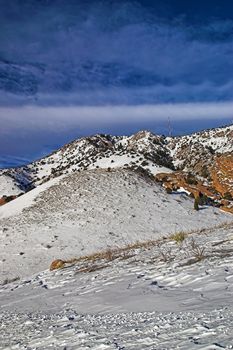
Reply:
x=197, y=153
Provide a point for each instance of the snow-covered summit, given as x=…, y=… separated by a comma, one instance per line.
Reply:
x=188, y=150
x=154, y=153
x=99, y=151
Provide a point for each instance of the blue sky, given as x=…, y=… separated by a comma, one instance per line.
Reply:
x=71, y=68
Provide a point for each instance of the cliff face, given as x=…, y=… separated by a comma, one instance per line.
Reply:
x=203, y=163
x=218, y=185
x=222, y=174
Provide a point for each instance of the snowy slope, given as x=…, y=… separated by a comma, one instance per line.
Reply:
x=86, y=212
x=157, y=298
x=15, y=181
x=150, y=290
x=8, y=186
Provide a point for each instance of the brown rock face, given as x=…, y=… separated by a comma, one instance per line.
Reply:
x=219, y=189
x=189, y=182
x=2, y=201
x=222, y=174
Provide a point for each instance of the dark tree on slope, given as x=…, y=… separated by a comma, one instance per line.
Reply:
x=196, y=203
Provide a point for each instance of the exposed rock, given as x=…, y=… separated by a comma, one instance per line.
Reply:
x=206, y=155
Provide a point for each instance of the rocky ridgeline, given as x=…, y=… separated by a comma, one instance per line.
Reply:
x=98, y=151
x=203, y=163
x=206, y=155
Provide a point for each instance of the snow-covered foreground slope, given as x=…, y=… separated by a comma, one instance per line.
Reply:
x=174, y=295
x=86, y=212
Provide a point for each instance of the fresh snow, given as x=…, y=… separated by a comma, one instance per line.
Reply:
x=16, y=206
x=152, y=152
x=157, y=298
x=90, y=211
x=165, y=292
x=8, y=187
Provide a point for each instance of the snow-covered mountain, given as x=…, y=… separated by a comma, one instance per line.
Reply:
x=143, y=288
x=141, y=269
x=193, y=152
x=99, y=151
x=156, y=154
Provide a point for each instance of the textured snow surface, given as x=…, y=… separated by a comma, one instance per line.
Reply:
x=91, y=211
x=8, y=186
x=169, y=295
x=139, y=301
x=130, y=331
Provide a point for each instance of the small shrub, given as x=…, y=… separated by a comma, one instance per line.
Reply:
x=178, y=237
x=203, y=199
x=205, y=172
x=191, y=180
x=144, y=163
x=197, y=251
x=168, y=190
x=228, y=196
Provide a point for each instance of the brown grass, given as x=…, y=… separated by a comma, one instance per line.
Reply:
x=130, y=250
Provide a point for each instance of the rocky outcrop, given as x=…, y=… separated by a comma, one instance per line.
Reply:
x=6, y=199
x=222, y=175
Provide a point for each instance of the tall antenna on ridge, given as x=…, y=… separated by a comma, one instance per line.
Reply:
x=169, y=126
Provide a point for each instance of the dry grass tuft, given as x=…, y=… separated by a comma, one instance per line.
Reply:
x=178, y=237
x=197, y=250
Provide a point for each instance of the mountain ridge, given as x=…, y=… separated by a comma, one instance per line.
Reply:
x=202, y=154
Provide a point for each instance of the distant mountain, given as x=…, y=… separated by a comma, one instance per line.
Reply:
x=206, y=155
x=99, y=151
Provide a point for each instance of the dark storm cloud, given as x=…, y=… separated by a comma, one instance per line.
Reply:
x=74, y=67
x=77, y=52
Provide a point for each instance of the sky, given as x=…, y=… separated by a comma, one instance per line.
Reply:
x=70, y=68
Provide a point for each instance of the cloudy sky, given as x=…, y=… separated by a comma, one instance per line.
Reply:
x=69, y=68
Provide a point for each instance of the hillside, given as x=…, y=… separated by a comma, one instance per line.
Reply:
x=99, y=151
x=193, y=152
x=199, y=154
x=84, y=212
x=139, y=267
x=169, y=293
